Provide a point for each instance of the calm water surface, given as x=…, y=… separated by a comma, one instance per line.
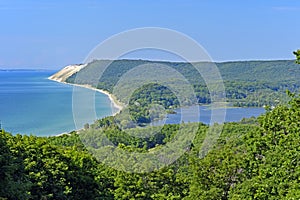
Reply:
x=205, y=115
x=32, y=104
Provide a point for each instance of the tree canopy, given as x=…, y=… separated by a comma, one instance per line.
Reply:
x=297, y=54
x=252, y=159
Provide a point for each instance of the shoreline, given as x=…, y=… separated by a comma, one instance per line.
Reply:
x=115, y=103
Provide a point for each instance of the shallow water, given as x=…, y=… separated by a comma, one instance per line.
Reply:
x=32, y=104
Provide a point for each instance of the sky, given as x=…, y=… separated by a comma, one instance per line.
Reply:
x=52, y=34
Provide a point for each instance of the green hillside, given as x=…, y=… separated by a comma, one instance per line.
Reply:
x=247, y=83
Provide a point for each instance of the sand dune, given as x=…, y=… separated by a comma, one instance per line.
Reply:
x=66, y=72
x=62, y=75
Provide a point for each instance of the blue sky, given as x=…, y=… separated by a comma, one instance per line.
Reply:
x=52, y=34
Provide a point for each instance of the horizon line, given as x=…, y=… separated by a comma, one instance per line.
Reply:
x=2, y=68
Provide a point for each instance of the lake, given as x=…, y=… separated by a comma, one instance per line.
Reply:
x=232, y=114
x=32, y=104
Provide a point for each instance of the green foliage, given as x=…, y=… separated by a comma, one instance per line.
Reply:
x=252, y=159
x=13, y=182
x=247, y=83
x=297, y=54
x=35, y=168
x=261, y=163
x=149, y=103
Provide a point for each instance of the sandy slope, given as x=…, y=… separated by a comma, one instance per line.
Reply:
x=66, y=72
x=62, y=75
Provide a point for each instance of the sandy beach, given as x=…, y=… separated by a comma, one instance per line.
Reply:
x=62, y=75
x=115, y=103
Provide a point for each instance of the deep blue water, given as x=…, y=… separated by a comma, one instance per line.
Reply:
x=32, y=104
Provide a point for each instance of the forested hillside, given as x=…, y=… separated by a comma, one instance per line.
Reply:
x=253, y=159
x=247, y=83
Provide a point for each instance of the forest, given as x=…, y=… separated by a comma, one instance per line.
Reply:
x=256, y=158
x=252, y=159
x=247, y=83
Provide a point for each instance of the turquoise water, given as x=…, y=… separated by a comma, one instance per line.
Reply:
x=32, y=104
